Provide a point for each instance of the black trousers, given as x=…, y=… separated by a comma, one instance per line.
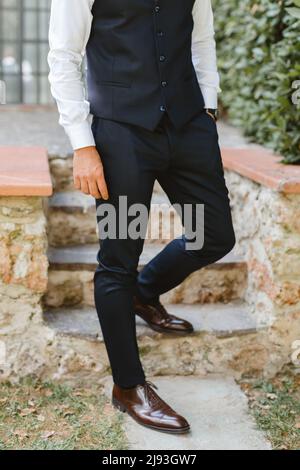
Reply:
x=187, y=164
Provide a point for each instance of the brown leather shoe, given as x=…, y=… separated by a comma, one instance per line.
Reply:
x=160, y=320
x=144, y=405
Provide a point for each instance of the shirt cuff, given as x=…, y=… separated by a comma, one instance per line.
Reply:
x=80, y=135
x=210, y=96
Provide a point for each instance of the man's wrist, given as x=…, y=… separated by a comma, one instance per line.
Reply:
x=84, y=150
x=80, y=135
x=213, y=112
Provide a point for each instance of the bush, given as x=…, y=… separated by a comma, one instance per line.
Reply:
x=259, y=63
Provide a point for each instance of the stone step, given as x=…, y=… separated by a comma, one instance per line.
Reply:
x=84, y=257
x=72, y=269
x=225, y=339
x=221, y=320
x=216, y=409
x=72, y=219
x=72, y=201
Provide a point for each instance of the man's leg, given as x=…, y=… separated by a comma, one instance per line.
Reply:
x=129, y=165
x=131, y=157
x=195, y=176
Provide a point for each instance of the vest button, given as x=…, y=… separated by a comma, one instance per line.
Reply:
x=164, y=83
x=157, y=8
x=162, y=108
x=162, y=58
x=160, y=33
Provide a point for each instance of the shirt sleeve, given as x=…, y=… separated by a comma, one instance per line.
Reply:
x=69, y=31
x=204, y=52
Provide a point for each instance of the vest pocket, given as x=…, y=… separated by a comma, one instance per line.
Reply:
x=114, y=84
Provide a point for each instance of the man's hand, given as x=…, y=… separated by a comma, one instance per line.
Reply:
x=88, y=173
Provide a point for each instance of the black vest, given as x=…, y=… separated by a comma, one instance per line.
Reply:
x=140, y=62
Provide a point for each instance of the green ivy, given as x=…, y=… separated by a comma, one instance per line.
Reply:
x=259, y=63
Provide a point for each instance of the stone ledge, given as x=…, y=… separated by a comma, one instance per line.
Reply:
x=24, y=171
x=263, y=167
x=221, y=320
x=83, y=257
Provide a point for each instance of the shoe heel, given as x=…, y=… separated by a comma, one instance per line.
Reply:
x=118, y=405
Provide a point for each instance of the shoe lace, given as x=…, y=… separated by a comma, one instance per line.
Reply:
x=163, y=312
x=149, y=392
x=153, y=399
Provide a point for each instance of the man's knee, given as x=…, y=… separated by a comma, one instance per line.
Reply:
x=117, y=259
x=216, y=245
x=227, y=242
x=112, y=280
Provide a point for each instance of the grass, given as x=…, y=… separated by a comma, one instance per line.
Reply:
x=47, y=416
x=275, y=405
x=35, y=415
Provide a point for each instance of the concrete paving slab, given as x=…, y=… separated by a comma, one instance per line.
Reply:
x=216, y=409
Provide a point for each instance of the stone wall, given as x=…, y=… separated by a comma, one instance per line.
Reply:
x=267, y=225
x=27, y=345
x=23, y=280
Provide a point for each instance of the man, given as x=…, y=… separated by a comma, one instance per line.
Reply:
x=152, y=91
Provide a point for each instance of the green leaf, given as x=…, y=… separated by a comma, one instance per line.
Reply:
x=259, y=59
x=295, y=12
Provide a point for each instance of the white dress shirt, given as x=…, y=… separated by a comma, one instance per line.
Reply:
x=70, y=28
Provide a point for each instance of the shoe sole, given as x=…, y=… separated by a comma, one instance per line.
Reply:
x=170, y=332
x=165, y=330
x=122, y=408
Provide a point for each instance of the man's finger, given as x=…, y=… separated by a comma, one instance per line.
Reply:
x=84, y=185
x=102, y=186
x=93, y=189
